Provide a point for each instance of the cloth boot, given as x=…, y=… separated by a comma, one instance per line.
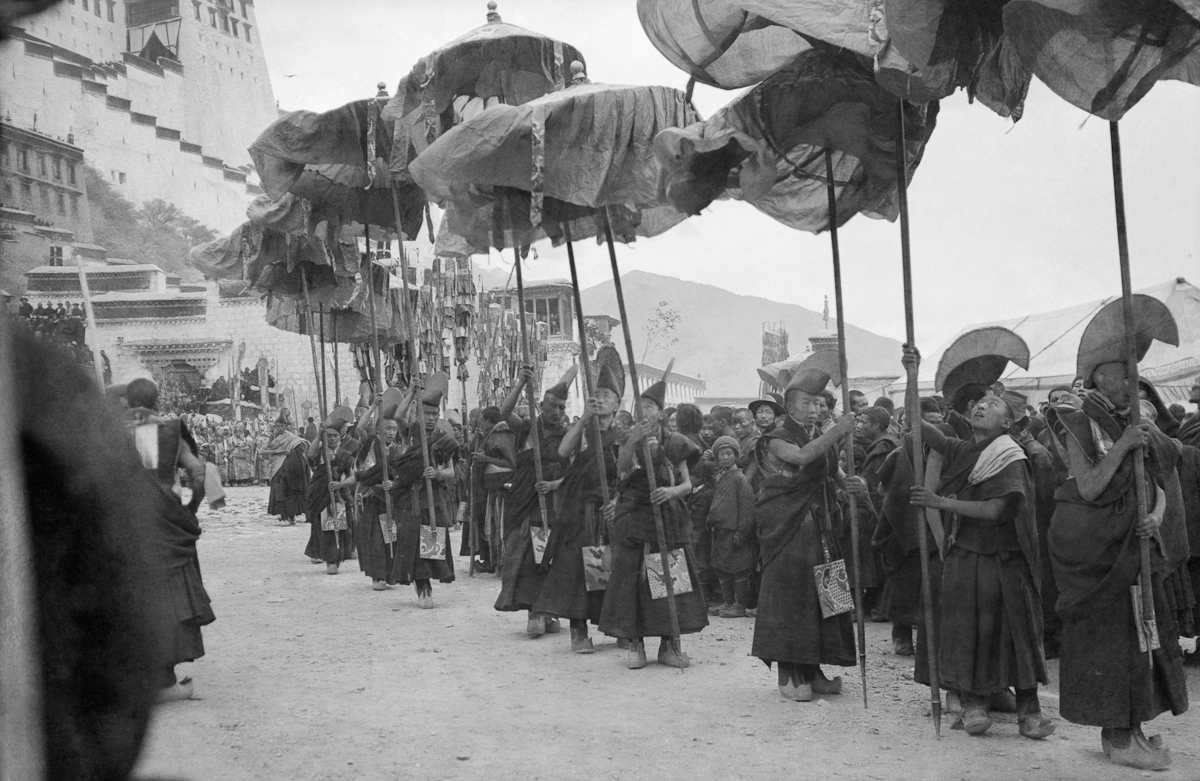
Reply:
x=741, y=592
x=580, y=642
x=727, y=594
x=1130, y=747
x=902, y=639
x=1029, y=715
x=975, y=718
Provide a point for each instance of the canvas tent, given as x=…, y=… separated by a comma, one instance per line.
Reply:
x=1053, y=339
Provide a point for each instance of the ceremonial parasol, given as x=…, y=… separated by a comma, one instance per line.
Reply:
x=551, y=168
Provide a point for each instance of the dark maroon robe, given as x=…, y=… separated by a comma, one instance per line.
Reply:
x=1106, y=681
x=797, y=517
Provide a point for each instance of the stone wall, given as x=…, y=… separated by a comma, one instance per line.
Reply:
x=178, y=131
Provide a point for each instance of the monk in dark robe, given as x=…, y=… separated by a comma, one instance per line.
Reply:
x=411, y=499
x=287, y=472
x=521, y=575
x=630, y=611
x=328, y=537
x=579, y=521
x=872, y=444
x=799, y=523
x=165, y=446
x=377, y=530
x=991, y=621
x=1107, y=680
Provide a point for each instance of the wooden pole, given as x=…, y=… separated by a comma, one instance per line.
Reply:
x=22, y=744
x=337, y=388
x=530, y=391
x=312, y=343
x=410, y=329
x=855, y=542
x=93, y=338
x=912, y=411
x=1149, y=621
x=647, y=455
x=380, y=382
x=585, y=362
x=324, y=384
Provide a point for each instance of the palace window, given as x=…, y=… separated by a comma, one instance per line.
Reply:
x=4, y=153
x=233, y=23
x=8, y=191
x=75, y=206
x=71, y=173
x=196, y=10
x=61, y=204
x=41, y=164
x=546, y=310
x=111, y=15
x=245, y=13
x=121, y=177
x=45, y=197
x=96, y=7
x=56, y=253
x=225, y=22
x=212, y=18
x=58, y=169
x=26, y=194
x=23, y=159
x=247, y=31
x=84, y=4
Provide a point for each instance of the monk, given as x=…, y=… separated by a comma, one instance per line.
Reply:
x=630, y=611
x=1108, y=681
x=377, y=531
x=579, y=522
x=521, y=574
x=798, y=520
x=329, y=538
x=990, y=634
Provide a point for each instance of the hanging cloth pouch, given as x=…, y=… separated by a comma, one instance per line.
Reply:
x=680, y=577
x=334, y=523
x=833, y=584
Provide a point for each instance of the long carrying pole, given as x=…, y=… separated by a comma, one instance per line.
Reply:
x=410, y=331
x=22, y=739
x=855, y=542
x=594, y=430
x=647, y=455
x=380, y=382
x=1149, y=621
x=93, y=338
x=912, y=411
x=316, y=358
x=324, y=383
x=529, y=389
x=337, y=388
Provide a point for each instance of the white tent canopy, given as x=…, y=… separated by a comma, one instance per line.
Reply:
x=1053, y=339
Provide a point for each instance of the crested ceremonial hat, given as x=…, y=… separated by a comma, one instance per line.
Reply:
x=978, y=357
x=610, y=372
x=1103, y=340
x=816, y=371
x=1017, y=403
x=435, y=389
x=390, y=404
x=658, y=391
x=560, y=389
x=339, y=419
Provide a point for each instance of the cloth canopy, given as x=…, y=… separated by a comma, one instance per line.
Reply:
x=556, y=159
x=767, y=146
x=1104, y=55
x=937, y=46
x=498, y=63
x=1053, y=339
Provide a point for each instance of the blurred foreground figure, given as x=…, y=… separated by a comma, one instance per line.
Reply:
x=164, y=447
x=107, y=541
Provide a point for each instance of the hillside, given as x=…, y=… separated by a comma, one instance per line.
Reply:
x=720, y=333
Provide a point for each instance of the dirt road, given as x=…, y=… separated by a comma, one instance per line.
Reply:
x=310, y=676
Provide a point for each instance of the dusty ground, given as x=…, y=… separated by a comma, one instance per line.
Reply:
x=316, y=677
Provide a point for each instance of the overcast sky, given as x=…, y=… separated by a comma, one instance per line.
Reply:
x=1006, y=219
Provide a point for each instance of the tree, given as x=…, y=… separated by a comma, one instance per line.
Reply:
x=659, y=330
x=159, y=232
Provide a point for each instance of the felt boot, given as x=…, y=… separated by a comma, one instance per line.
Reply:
x=1029, y=716
x=636, y=658
x=670, y=656
x=580, y=642
x=536, y=625
x=1130, y=747
x=727, y=596
x=975, y=718
x=552, y=625
x=822, y=685
x=902, y=640
x=181, y=690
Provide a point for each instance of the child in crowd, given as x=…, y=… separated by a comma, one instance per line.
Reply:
x=731, y=519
